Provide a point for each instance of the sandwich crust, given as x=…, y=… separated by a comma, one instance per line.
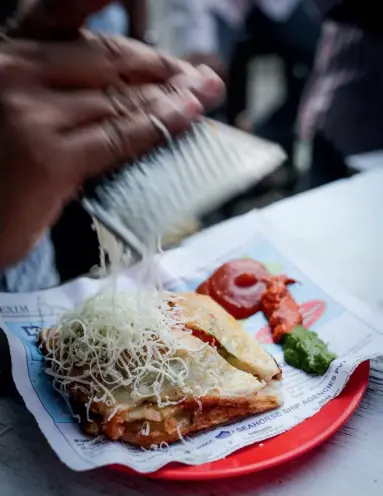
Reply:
x=181, y=420
x=203, y=314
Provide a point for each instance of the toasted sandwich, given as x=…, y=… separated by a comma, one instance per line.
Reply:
x=146, y=369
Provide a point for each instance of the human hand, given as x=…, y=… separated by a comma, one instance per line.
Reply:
x=61, y=123
x=210, y=60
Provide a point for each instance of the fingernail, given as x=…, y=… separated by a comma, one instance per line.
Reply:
x=212, y=83
x=185, y=105
x=208, y=72
x=201, y=80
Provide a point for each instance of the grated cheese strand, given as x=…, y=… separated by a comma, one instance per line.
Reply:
x=124, y=348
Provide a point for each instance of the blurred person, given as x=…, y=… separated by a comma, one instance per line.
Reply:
x=227, y=34
x=59, y=126
x=208, y=30
x=112, y=19
x=124, y=17
x=342, y=110
x=290, y=31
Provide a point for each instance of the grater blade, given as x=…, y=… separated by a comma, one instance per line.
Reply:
x=194, y=174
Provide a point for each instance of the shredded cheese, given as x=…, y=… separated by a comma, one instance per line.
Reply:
x=125, y=349
x=145, y=429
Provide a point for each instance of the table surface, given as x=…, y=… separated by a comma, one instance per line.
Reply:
x=341, y=229
x=366, y=161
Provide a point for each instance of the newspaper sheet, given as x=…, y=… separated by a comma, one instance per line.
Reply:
x=350, y=328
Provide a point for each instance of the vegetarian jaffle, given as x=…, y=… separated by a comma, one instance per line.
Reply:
x=153, y=367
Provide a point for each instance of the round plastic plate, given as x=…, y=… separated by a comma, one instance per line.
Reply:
x=279, y=449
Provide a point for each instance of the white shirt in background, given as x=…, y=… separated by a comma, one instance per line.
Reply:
x=278, y=10
x=193, y=21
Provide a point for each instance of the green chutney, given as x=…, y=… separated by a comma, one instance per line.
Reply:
x=304, y=350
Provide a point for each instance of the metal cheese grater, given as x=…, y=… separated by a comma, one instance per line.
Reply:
x=195, y=173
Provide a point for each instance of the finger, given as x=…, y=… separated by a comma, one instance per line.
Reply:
x=89, y=63
x=96, y=62
x=138, y=62
x=205, y=84
x=54, y=19
x=84, y=65
x=121, y=140
x=127, y=98
x=64, y=111
x=69, y=110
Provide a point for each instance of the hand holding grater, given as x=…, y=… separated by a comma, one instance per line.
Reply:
x=190, y=176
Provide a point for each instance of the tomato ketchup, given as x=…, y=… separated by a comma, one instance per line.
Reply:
x=238, y=287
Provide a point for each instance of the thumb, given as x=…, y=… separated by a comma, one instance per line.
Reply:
x=54, y=19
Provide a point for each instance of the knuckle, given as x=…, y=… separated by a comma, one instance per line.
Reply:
x=116, y=139
x=112, y=46
x=170, y=67
x=136, y=99
x=144, y=96
x=128, y=139
x=111, y=51
x=133, y=100
x=119, y=139
x=115, y=99
x=14, y=107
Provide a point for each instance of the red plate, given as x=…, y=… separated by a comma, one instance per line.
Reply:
x=279, y=449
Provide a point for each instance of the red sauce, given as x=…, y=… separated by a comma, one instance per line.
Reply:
x=280, y=308
x=203, y=336
x=204, y=288
x=243, y=287
x=238, y=287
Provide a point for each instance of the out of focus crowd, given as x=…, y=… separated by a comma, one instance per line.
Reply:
x=330, y=55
